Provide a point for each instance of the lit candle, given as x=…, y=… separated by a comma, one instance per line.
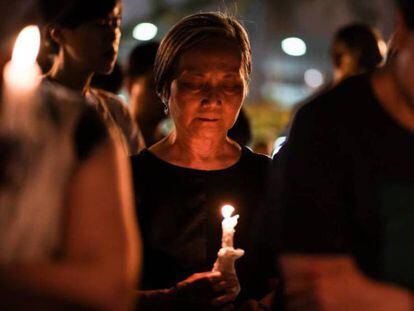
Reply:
x=22, y=75
x=228, y=224
x=227, y=255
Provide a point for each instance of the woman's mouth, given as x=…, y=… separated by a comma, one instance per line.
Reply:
x=208, y=119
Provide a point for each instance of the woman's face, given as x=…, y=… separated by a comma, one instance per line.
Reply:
x=93, y=46
x=208, y=90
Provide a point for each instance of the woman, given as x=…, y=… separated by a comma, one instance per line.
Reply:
x=66, y=237
x=83, y=37
x=201, y=72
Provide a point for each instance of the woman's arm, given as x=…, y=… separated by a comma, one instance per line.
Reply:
x=100, y=263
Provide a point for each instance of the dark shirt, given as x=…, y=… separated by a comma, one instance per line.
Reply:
x=179, y=211
x=347, y=183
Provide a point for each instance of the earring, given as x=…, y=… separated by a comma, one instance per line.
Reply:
x=166, y=109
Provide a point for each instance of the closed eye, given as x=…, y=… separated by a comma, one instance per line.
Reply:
x=232, y=87
x=192, y=86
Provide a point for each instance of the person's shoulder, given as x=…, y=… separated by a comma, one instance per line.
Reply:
x=90, y=132
x=60, y=101
x=255, y=160
x=112, y=100
x=254, y=155
x=107, y=95
x=145, y=162
x=338, y=102
x=147, y=169
x=141, y=158
x=345, y=94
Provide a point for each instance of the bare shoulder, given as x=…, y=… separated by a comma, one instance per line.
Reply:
x=111, y=99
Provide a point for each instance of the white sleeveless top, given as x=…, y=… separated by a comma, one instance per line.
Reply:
x=39, y=158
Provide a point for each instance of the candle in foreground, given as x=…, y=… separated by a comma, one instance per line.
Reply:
x=228, y=224
x=22, y=75
x=227, y=255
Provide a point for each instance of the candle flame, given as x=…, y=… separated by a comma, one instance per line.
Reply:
x=227, y=210
x=26, y=47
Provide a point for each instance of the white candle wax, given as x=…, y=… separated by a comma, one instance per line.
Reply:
x=227, y=255
x=228, y=224
x=22, y=75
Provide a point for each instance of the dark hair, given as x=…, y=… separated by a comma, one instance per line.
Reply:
x=406, y=7
x=141, y=59
x=362, y=41
x=187, y=33
x=71, y=14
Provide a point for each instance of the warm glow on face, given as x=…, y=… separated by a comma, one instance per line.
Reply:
x=227, y=210
x=26, y=47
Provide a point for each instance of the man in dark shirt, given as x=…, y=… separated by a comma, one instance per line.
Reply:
x=347, y=190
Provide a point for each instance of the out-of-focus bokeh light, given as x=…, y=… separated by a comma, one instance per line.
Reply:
x=313, y=78
x=144, y=31
x=294, y=46
x=26, y=47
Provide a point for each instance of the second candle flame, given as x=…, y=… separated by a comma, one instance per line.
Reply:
x=26, y=47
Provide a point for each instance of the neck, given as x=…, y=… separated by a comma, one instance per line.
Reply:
x=199, y=148
x=198, y=152
x=69, y=74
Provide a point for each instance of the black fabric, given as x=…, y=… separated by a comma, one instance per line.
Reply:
x=89, y=133
x=347, y=183
x=179, y=214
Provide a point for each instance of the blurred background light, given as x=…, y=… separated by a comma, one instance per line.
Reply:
x=144, y=31
x=313, y=78
x=294, y=46
x=383, y=47
x=278, y=144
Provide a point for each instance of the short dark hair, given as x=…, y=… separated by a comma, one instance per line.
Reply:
x=70, y=14
x=187, y=33
x=73, y=13
x=141, y=59
x=406, y=8
x=362, y=42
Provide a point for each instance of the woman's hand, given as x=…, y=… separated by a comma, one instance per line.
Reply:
x=335, y=283
x=207, y=288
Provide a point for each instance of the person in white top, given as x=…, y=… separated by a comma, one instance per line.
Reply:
x=67, y=235
x=83, y=39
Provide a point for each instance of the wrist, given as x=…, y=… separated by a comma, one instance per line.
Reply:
x=155, y=297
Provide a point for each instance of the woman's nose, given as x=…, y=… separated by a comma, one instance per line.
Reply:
x=211, y=95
